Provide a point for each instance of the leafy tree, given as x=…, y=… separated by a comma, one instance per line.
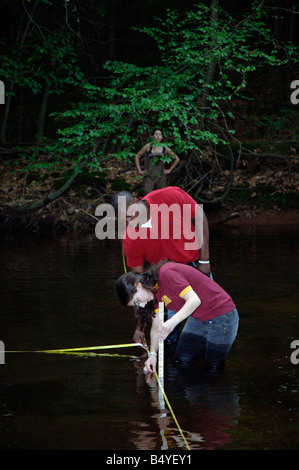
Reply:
x=205, y=58
x=41, y=60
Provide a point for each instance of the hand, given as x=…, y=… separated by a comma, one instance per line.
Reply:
x=204, y=268
x=142, y=172
x=166, y=171
x=150, y=364
x=165, y=329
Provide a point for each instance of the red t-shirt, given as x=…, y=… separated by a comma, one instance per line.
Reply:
x=175, y=280
x=172, y=234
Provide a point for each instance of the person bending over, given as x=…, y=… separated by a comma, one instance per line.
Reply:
x=211, y=316
x=147, y=242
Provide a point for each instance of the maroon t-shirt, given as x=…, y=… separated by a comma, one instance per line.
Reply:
x=176, y=279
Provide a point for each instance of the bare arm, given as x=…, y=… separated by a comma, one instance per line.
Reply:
x=150, y=364
x=160, y=332
x=137, y=269
x=175, y=161
x=139, y=335
x=144, y=149
x=204, y=235
x=192, y=302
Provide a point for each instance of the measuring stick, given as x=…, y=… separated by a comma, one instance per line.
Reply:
x=161, y=344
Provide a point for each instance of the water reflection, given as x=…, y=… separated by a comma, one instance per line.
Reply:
x=205, y=405
x=60, y=294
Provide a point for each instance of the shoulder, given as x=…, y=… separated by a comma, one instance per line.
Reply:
x=145, y=148
x=173, y=194
x=168, y=151
x=174, y=279
x=170, y=269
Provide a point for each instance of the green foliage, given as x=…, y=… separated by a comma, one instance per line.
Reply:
x=287, y=120
x=120, y=185
x=203, y=63
x=51, y=60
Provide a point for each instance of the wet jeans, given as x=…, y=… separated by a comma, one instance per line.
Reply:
x=211, y=339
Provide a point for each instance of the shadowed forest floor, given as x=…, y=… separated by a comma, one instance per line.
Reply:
x=264, y=191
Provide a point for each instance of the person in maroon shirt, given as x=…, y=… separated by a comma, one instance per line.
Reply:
x=171, y=218
x=211, y=316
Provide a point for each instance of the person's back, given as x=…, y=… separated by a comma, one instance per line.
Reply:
x=170, y=232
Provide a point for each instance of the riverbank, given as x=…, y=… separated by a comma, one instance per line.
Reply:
x=262, y=217
x=75, y=208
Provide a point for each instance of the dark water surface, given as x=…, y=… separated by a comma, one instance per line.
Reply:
x=60, y=294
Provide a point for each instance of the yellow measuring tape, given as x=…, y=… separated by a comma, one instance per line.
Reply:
x=76, y=351
x=124, y=259
x=170, y=408
x=79, y=352
x=157, y=376
x=171, y=411
x=57, y=351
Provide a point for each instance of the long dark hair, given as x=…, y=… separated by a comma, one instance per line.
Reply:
x=125, y=288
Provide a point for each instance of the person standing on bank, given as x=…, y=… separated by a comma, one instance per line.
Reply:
x=146, y=248
x=154, y=168
x=212, y=318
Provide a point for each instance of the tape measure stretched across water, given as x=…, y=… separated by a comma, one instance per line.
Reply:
x=111, y=346
x=115, y=346
x=161, y=368
x=55, y=351
x=171, y=411
x=169, y=405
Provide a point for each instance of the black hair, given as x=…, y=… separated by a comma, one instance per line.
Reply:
x=114, y=199
x=125, y=288
x=158, y=129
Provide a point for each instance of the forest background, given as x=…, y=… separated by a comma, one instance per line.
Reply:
x=84, y=84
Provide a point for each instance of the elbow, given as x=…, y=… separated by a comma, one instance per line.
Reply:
x=195, y=302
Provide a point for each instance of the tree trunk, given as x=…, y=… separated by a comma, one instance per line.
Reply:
x=18, y=59
x=51, y=197
x=212, y=66
x=6, y=114
x=46, y=200
x=42, y=114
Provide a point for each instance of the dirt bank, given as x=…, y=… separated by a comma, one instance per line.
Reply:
x=74, y=210
x=267, y=217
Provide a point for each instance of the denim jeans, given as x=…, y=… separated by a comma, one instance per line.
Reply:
x=211, y=339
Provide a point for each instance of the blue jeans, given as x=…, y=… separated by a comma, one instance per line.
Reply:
x=211, y=338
